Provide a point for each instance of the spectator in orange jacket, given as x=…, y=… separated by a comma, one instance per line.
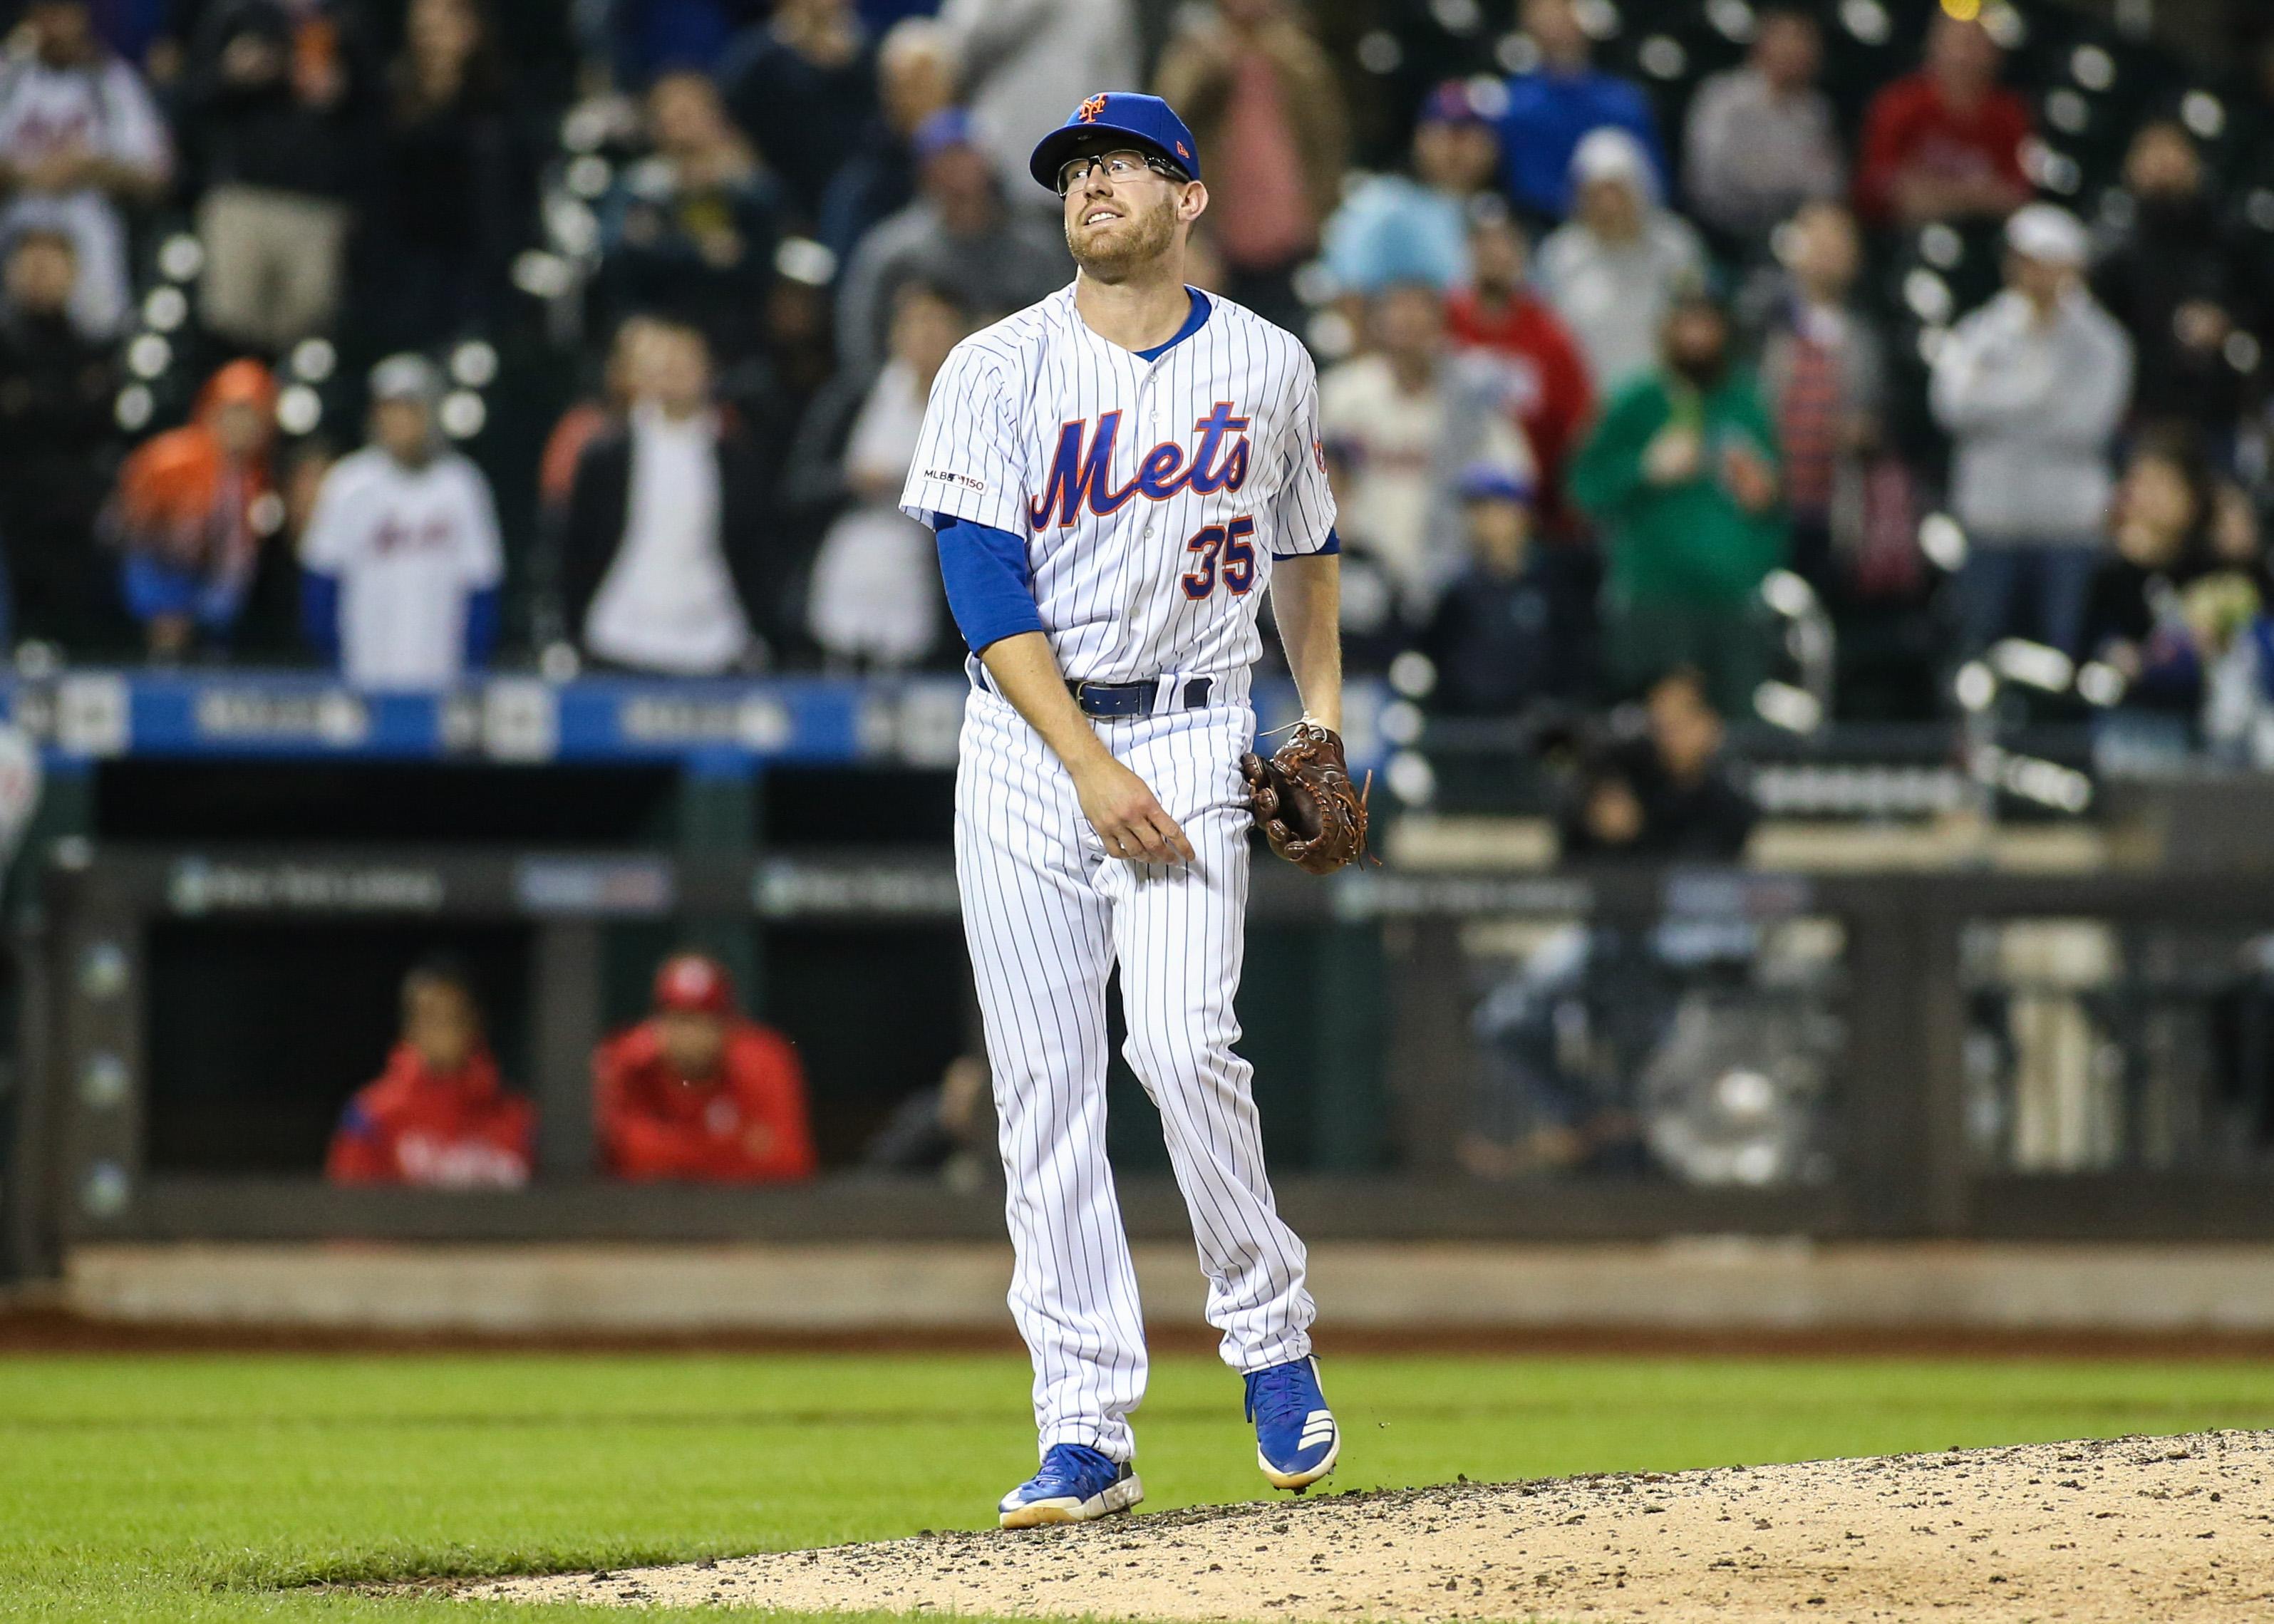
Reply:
x=437, y=1115
x=698, y=1091
x=193, y=507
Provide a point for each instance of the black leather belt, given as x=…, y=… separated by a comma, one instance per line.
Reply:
x=1128, y=699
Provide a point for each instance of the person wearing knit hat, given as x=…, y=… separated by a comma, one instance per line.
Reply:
x=698, y=1091
x=1611, y=271
x=1413, y=228
x=2031, y=388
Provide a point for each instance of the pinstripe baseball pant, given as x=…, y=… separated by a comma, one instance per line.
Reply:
x=1048, y=915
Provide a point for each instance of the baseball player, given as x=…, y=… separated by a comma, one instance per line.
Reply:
x=1115, y=475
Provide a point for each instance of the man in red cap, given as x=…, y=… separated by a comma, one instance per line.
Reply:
x=698, y=1091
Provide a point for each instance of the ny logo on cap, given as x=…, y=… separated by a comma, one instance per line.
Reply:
x=1090, y=112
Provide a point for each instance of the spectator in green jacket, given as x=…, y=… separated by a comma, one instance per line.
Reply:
x=1680, y=475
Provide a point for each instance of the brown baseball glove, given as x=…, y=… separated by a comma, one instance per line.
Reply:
x=1304, y=803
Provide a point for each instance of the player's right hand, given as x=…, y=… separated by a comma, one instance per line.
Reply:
x=1122, y=809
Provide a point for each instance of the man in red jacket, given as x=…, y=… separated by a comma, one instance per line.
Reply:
x=697, y=1091
x=1945, y=143
x=437, y=1115
x=1554, y=400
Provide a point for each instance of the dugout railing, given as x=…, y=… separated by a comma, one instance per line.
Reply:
x=1923, y=1033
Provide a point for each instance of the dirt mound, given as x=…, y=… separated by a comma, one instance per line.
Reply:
x=2174, y=1529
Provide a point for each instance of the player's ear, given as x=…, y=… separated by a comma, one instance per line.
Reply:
x=1193, y=203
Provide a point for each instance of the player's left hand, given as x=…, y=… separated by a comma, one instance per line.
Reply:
x=1127, y=816
x=1303, y=801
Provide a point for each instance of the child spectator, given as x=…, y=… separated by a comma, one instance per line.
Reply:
x=698, y=1091
x=1612, y=272
x=80, y=141
x=1553, y=396
x=1511, y=630
x=1681, y=476
x=192, y=508
x=438, y=1115
x=400, y=563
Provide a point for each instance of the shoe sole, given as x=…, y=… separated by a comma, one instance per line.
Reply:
x=1036, y=1514
x=1299, y=1481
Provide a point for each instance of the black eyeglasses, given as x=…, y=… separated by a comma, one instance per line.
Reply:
x=1117, y=166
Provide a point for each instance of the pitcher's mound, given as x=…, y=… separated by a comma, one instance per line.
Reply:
x=2173, y=1529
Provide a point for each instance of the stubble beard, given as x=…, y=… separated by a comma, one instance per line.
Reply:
x=1156, y=231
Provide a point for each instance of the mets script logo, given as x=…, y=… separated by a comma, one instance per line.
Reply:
x=1091, y=111
x=1081, y=474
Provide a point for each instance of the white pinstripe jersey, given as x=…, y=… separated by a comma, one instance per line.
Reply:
x=1153, y=495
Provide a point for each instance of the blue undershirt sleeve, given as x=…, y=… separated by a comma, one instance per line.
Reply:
x=989, y=589
x=1327, y=548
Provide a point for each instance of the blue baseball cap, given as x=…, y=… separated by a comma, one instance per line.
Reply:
x=1112, y=119
x=950, y=126
x=1490, y=481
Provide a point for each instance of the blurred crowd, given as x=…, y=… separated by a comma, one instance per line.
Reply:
x=1654, y=335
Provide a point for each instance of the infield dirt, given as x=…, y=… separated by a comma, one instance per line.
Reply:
x=2174, y=1530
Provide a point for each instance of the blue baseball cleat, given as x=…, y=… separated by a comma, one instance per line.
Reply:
x=1075, y=1484
x=1296, y=1438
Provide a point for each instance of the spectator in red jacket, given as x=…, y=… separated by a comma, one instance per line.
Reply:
x=1553, y=397
x=1945, y=143
x=697, y=1091
x=437, y=1115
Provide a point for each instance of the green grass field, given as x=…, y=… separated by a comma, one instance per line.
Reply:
x=208, y=1488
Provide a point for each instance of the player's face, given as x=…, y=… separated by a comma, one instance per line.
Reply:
x=1123, y=214
x=402, y=428
x=692, y=1042
x=439, y=1021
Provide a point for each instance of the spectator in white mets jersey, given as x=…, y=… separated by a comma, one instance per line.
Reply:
x=1116, y=474
x=400, y=565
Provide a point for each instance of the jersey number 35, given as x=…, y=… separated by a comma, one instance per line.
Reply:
x=1229, y=544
